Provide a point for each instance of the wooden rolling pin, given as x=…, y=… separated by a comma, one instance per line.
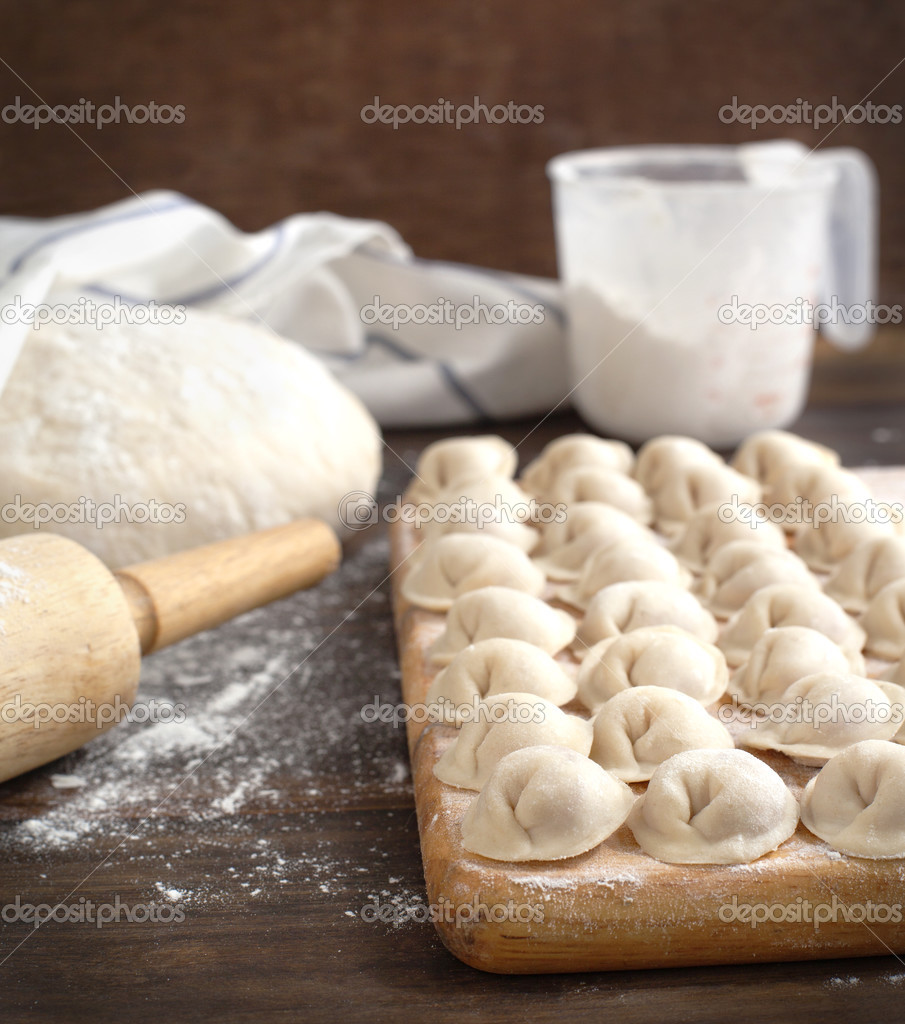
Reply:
x=72, y=632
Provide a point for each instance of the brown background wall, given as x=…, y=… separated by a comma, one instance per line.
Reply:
x=273, y=92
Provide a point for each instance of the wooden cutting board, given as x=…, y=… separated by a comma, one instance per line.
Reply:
x=615, y=907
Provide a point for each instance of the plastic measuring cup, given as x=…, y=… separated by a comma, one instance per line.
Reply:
x=658, y=245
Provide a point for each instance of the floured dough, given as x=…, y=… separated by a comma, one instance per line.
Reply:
x=622, y=607
x=221, y=419
x=450, y=566
x=641, y=727
x=664, y=656
x=686, y=488
x=708, y=530
x=884, y=621
x=508, y=722
x=737, y=570
x=574, y=450
x=641, y=560
x=767, y=454
x=821, y=714
x=565, y=546
x=493, y=506
x=785, y=654
x=500, y=612
x=499, y=665
x=662, y=456
x=856, y=802
x=454, y=460
x=600, y=483
x=545, y=803
x=866, y=570
x=788, y=604
x=713, y=807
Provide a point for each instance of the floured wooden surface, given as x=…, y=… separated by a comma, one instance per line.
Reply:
x=616, y=907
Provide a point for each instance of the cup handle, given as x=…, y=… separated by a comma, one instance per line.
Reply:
x=850, y=273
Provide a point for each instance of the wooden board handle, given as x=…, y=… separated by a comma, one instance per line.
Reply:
x=175, y=597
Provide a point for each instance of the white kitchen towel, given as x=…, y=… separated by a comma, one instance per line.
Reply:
x=421, y=342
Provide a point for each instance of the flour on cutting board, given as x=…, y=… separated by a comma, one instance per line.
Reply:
x=249, y=718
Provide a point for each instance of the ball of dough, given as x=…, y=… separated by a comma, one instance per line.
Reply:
x=238, y=427
x=545, y=803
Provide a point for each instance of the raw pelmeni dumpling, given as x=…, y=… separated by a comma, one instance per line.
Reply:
x=498, y=611
x=450, y=566
x=683, y=491
x=622, y=607
x=739, y=569
x=493, y=506
x=498, y=665
x=665, y=455
x=819, y=484
x=574, y=450
x=788, y=604
x=641, y=727
x=884, y=621
x=508, y=722
x=856, y=802
x=896, y=695
x=713, y=527
x=713, y=807
x=641, y=560
x=866, y=570
x=785, y=654
x=545, y=803
x=822, y=714
x=565, y=546
x=599, y=483
x=456, y=459
x=767, y=454
x=664, y=656
x=823, y=546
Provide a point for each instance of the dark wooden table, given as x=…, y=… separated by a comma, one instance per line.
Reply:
x=304, y=816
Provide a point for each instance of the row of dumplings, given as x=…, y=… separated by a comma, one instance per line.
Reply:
x=552, y=786
x=708, y=806
x=724, y=561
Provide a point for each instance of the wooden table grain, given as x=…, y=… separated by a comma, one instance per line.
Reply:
x=300, y=949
